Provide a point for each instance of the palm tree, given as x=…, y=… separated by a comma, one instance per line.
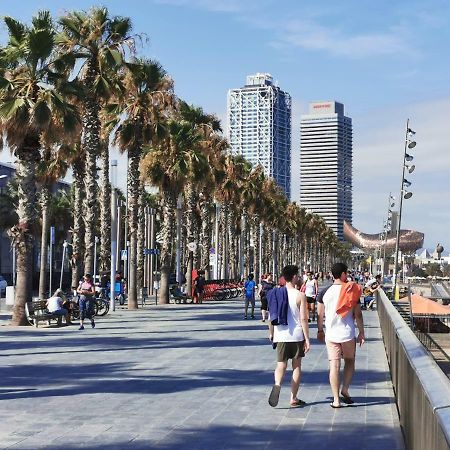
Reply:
x=149, y=95
x=100, y=43
x=208, y=125
x=168, y=167
x=33, y=110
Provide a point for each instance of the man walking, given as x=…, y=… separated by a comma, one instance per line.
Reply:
x=340, y=304
x=289, y=331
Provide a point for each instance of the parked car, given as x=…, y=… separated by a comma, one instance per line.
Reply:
x=3, y=285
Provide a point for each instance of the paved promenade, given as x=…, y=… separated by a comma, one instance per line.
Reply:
x=182, y=377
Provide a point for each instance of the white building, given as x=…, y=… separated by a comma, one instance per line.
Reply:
x=326, y=163
x=259, y=127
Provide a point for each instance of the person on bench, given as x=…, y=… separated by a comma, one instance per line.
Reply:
x=55, y=305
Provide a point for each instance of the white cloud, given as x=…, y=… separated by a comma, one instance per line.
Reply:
x=311, y=35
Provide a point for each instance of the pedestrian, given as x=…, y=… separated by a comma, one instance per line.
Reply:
x=266, y=285
x=340, y=304
x=249, y=293
x=199, y=287
x=310, y=288
x=289, y=332
x=86, y=290
x=58, y=306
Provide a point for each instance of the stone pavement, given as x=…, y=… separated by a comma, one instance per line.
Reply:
x=182, y=377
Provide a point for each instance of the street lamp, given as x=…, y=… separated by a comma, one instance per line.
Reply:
x=387, y=230
x=404, y=194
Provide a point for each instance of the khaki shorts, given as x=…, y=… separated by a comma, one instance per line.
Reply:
x=290, y=350
x=338, y=350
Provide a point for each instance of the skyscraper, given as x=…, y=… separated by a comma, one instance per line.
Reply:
x=326, y=163
x=259, y=127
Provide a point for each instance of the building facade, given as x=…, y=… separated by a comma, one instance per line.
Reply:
x=259, y=127
x=326, y=152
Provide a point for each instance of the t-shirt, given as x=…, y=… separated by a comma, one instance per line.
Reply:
x=338, y=329
x=293, y=331
x=86, y=286
x=249, y=288
x=310, y=288
x=54, y=304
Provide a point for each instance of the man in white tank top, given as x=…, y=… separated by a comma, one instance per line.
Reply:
x=340, y=335
x=291, y=340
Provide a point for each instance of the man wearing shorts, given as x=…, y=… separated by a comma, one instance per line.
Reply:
x=292, y=340
x=340, y=336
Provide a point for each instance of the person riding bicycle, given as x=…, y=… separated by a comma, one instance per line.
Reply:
x=86, y=289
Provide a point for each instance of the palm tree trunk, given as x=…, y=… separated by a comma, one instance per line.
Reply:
x=133, y=198
x=255, y=238
x=78, y=224
x=90, y=146
x=169, y=205
x=105, y=210
x=205, y=234
x=141, y=239
x=44, y=201
x=189, y=214
x=21, y=234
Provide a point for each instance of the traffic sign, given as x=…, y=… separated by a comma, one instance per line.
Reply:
x=52, y=235
x=124, y=255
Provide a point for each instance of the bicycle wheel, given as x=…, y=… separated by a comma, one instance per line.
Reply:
x=102, y=307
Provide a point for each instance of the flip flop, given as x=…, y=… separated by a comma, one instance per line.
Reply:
x=297, y=402
x=347, y=399
x=335, y=407
x=274, y=395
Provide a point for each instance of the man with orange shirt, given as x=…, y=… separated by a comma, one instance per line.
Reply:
x=340, y=337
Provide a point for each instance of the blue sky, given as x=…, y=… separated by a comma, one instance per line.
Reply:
x=386, y=61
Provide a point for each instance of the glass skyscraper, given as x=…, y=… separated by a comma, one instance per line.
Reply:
x=259, y=127
x=326, y=152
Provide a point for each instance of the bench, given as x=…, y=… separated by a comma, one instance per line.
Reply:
x=37, y=312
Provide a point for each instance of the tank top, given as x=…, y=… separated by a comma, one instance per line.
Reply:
x=292, y=332
x=310, y=288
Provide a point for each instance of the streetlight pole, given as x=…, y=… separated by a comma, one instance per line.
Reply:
x=403, y=195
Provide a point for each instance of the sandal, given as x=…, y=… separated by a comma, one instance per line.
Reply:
x=347, y=399
x=334, y=406
x=274, y=395
x=297, y=402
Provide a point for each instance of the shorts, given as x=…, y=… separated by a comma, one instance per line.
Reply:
x=311, y=299
x=250, y=300
x=264, y=304
x=60, y=312
x=338, y=350
x=290, y=350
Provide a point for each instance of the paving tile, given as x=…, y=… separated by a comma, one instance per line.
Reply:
x=181, y=377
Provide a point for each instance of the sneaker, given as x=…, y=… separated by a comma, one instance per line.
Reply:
x=263, y=320
x=245, y=317
x=81, y=328
x=253, y=317
x=92, y=323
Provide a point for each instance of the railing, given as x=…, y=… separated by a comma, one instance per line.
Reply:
x=422, y=390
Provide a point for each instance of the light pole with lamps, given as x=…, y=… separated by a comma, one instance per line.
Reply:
x=404, y=194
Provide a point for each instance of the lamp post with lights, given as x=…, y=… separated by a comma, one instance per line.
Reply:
x=404, y=194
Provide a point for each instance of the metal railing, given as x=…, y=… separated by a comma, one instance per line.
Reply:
x=421, y=388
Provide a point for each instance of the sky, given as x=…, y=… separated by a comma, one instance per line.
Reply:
x=385, y=61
